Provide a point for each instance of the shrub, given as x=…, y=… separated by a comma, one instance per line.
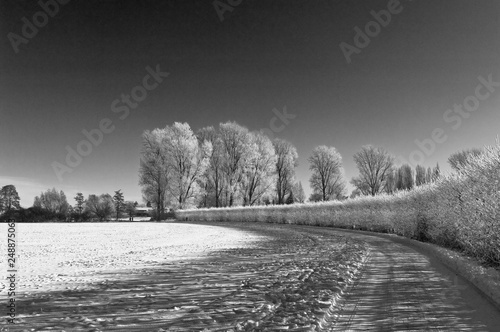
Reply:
x=33, y=214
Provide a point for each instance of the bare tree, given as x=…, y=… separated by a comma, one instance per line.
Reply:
x=235, y=142
x=130, y=209
x=327, y=173
x=213, y=181
x=52, y=201
x=101, y=207
x=188, y=161
x=286, y=161
x=154, y=172
x=460, y=159
x=258, y=177
x=374, y=165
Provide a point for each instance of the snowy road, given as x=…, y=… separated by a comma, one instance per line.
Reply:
x=248, y=277
x=403, y=289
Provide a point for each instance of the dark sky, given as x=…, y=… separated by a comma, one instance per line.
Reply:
x=264, y=55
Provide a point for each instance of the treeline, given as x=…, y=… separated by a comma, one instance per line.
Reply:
x=379, y=174
x=53, y=205
x=229, y=166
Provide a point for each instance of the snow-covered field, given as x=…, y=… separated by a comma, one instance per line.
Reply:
x=179, y=277
x=52, y=255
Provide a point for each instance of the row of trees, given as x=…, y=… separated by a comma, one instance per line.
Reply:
x=101, y=207
x=378, y=174
x=52, y=205
x=229, y=165
x=223, y=166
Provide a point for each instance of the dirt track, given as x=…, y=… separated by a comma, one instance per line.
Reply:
x=260, y=277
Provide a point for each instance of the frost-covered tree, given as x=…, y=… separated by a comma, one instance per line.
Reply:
x=235, y=141
x=300, y=196
x=327, y=177
x=361, y=186
x=52, y=201
x=213, y=178
x=188, y=160
x=373, y=164
x=286, y=161
x=258, y=177
x=460, y=159
x=436, y=173
x=154, y=170
x=130, y=209
x=101, y=207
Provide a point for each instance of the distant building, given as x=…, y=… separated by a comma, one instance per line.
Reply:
x=143, y=211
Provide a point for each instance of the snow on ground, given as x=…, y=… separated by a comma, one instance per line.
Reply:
x=53, y=254
x=180, y=277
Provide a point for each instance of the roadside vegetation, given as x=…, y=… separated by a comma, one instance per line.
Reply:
x=460, y=211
